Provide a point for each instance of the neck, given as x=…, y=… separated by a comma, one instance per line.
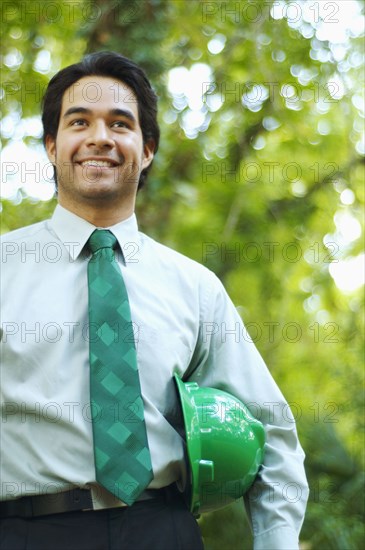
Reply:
x=103, y=215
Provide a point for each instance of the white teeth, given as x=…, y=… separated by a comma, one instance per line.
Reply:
x=104, y=163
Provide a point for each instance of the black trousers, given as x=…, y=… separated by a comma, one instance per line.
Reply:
x=156, y=524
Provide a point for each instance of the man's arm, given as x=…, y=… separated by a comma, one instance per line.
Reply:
x=226, y=359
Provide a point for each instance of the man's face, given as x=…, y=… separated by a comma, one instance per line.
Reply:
x=99, y=151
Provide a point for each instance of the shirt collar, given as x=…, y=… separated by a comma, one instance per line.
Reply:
x=74, y=233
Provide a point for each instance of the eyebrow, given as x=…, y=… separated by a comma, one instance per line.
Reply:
x=112, y=112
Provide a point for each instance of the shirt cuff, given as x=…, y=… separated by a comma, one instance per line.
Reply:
x=282, y=538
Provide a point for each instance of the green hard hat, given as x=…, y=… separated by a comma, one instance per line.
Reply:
x=225, y=446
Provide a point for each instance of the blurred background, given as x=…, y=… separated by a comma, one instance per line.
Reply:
x=259, y=177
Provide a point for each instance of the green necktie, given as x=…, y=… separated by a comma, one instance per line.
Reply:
x=122, y=457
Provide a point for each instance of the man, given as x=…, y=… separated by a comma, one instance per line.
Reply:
x=101, y=134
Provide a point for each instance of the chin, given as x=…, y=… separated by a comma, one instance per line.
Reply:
x=99, y=196
x=101, y=191
x=106, y=193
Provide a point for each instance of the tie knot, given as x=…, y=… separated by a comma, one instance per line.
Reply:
x=101, y=238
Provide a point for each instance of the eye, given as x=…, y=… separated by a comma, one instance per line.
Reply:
x=120, y=124
x=78, y=122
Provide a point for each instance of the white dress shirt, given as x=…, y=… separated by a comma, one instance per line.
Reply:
x=183, y=322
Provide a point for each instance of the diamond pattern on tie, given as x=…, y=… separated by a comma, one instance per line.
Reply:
x=122, y=457
x=101, y=287
x=113, y=383
x=107, y=334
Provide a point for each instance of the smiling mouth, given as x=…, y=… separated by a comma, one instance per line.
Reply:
x=98, y=163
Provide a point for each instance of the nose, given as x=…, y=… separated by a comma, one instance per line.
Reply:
x=99, y=136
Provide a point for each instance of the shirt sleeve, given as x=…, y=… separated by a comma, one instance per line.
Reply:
x=227, y=359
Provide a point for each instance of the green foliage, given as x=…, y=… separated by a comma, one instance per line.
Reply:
x=12, y=216
x=227, y=528
x=336, y=508
x=256, y=193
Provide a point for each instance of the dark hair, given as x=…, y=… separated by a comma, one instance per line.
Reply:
x=108, y=64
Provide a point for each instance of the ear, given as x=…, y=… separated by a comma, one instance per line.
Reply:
x=51, y=148
x=148, y=153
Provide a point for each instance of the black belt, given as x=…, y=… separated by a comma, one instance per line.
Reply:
x=59, y=503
